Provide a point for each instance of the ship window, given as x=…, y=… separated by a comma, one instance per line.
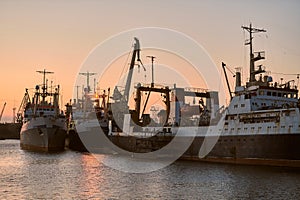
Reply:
x=245, y=128
x=261, y=92
x=242, y=105
x=279, y=94
x=274, y=126
x=268, y=93
x=274, y=94
x=235, y=106
x=282, y=126
x=259, y=127
x=252, y=128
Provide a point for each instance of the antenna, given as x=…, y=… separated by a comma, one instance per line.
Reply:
x=94, y=86
x=88, y=74
x=44, y=72
x=77, y=87
x=252, y=30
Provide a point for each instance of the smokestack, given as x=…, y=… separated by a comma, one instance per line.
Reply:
x=238, y=79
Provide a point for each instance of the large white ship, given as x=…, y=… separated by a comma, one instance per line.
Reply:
x=261, y=125
x=44, y=124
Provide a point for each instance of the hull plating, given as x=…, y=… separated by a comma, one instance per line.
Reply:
x=276, y=149
x=41, y=137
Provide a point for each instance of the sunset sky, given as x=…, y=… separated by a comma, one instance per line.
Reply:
x=59, y=35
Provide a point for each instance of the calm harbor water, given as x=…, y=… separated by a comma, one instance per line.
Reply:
x=73, y=175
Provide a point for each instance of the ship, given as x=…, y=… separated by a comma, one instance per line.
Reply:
x=88, y=112
x=44, y=123
x=9, y=130
x=261, y=124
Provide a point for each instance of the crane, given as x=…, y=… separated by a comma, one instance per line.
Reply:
x=223, y=66
x=25, y=102
x=135, y=56
x=2, y=111
x=121, y=107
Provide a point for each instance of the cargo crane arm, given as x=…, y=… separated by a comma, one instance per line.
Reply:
x=223, y=66
x=2, y=111
x=24, y=103
x=144, y=119
x=135, y=56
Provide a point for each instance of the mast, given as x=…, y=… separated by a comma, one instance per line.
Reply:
x=44, y=72
x=88, y=74
x=253, y=57
x=152, y=61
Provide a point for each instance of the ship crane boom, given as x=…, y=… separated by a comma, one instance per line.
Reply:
x=135, y=56
x=2, y=111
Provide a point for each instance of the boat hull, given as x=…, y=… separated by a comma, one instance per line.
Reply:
x=264, y=149
x=43, y=135
x=284, y=146
x=75, y=142
x=277, y=150
x=10, y=130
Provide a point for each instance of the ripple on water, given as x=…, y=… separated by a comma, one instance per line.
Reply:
x=73, y=175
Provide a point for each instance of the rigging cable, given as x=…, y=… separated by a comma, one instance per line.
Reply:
x=124, y=66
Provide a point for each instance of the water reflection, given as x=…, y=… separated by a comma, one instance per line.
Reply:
x=72, y=175
x=91, y=179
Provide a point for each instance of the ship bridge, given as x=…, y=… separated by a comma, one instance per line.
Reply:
x=260, y=97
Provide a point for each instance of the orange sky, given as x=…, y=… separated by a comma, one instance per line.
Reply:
x=58, y=36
